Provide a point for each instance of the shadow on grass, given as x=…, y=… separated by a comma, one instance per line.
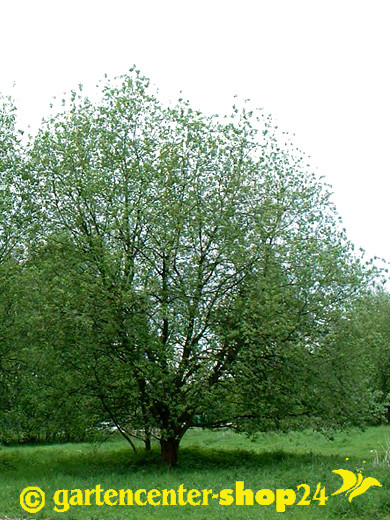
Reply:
x=81, y=460
x=217, y=458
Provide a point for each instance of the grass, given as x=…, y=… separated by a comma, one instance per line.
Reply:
x=208, y=460
x=382, y=457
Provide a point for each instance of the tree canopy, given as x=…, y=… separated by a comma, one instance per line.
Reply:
x=188, y=270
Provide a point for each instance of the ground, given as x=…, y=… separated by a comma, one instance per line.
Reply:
x=208, y=460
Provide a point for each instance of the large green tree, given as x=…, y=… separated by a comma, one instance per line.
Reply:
x=12, y=230
x=202, y=265
x=42, y=400
x=367, y=325
x=29, y=391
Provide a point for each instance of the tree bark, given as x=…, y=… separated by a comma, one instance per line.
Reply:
x=169, y=451
x=147, y=444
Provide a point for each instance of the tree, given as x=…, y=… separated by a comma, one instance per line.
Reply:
x=200, y=251
x=29, y=390
x=10, y=169
x=12, y=231
x=367, y=325
x=42, y=401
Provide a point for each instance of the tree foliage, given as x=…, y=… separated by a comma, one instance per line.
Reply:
x=367, y=325
x=12, y=208
x=191, y=269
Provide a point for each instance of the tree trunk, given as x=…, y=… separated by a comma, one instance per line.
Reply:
x=147, y=444
x=169, y=451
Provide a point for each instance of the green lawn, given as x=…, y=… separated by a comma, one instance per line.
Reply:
x=208, y=460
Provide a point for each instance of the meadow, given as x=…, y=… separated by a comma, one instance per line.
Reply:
x=208, y=460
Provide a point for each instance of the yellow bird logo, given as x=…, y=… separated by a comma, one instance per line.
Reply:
x=353, y=484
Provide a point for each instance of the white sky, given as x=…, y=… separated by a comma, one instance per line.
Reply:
x=321, y=67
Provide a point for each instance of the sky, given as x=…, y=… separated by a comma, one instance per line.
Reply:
x=320, y=67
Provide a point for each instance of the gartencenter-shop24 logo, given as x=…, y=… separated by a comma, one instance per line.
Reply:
x=32, y=499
